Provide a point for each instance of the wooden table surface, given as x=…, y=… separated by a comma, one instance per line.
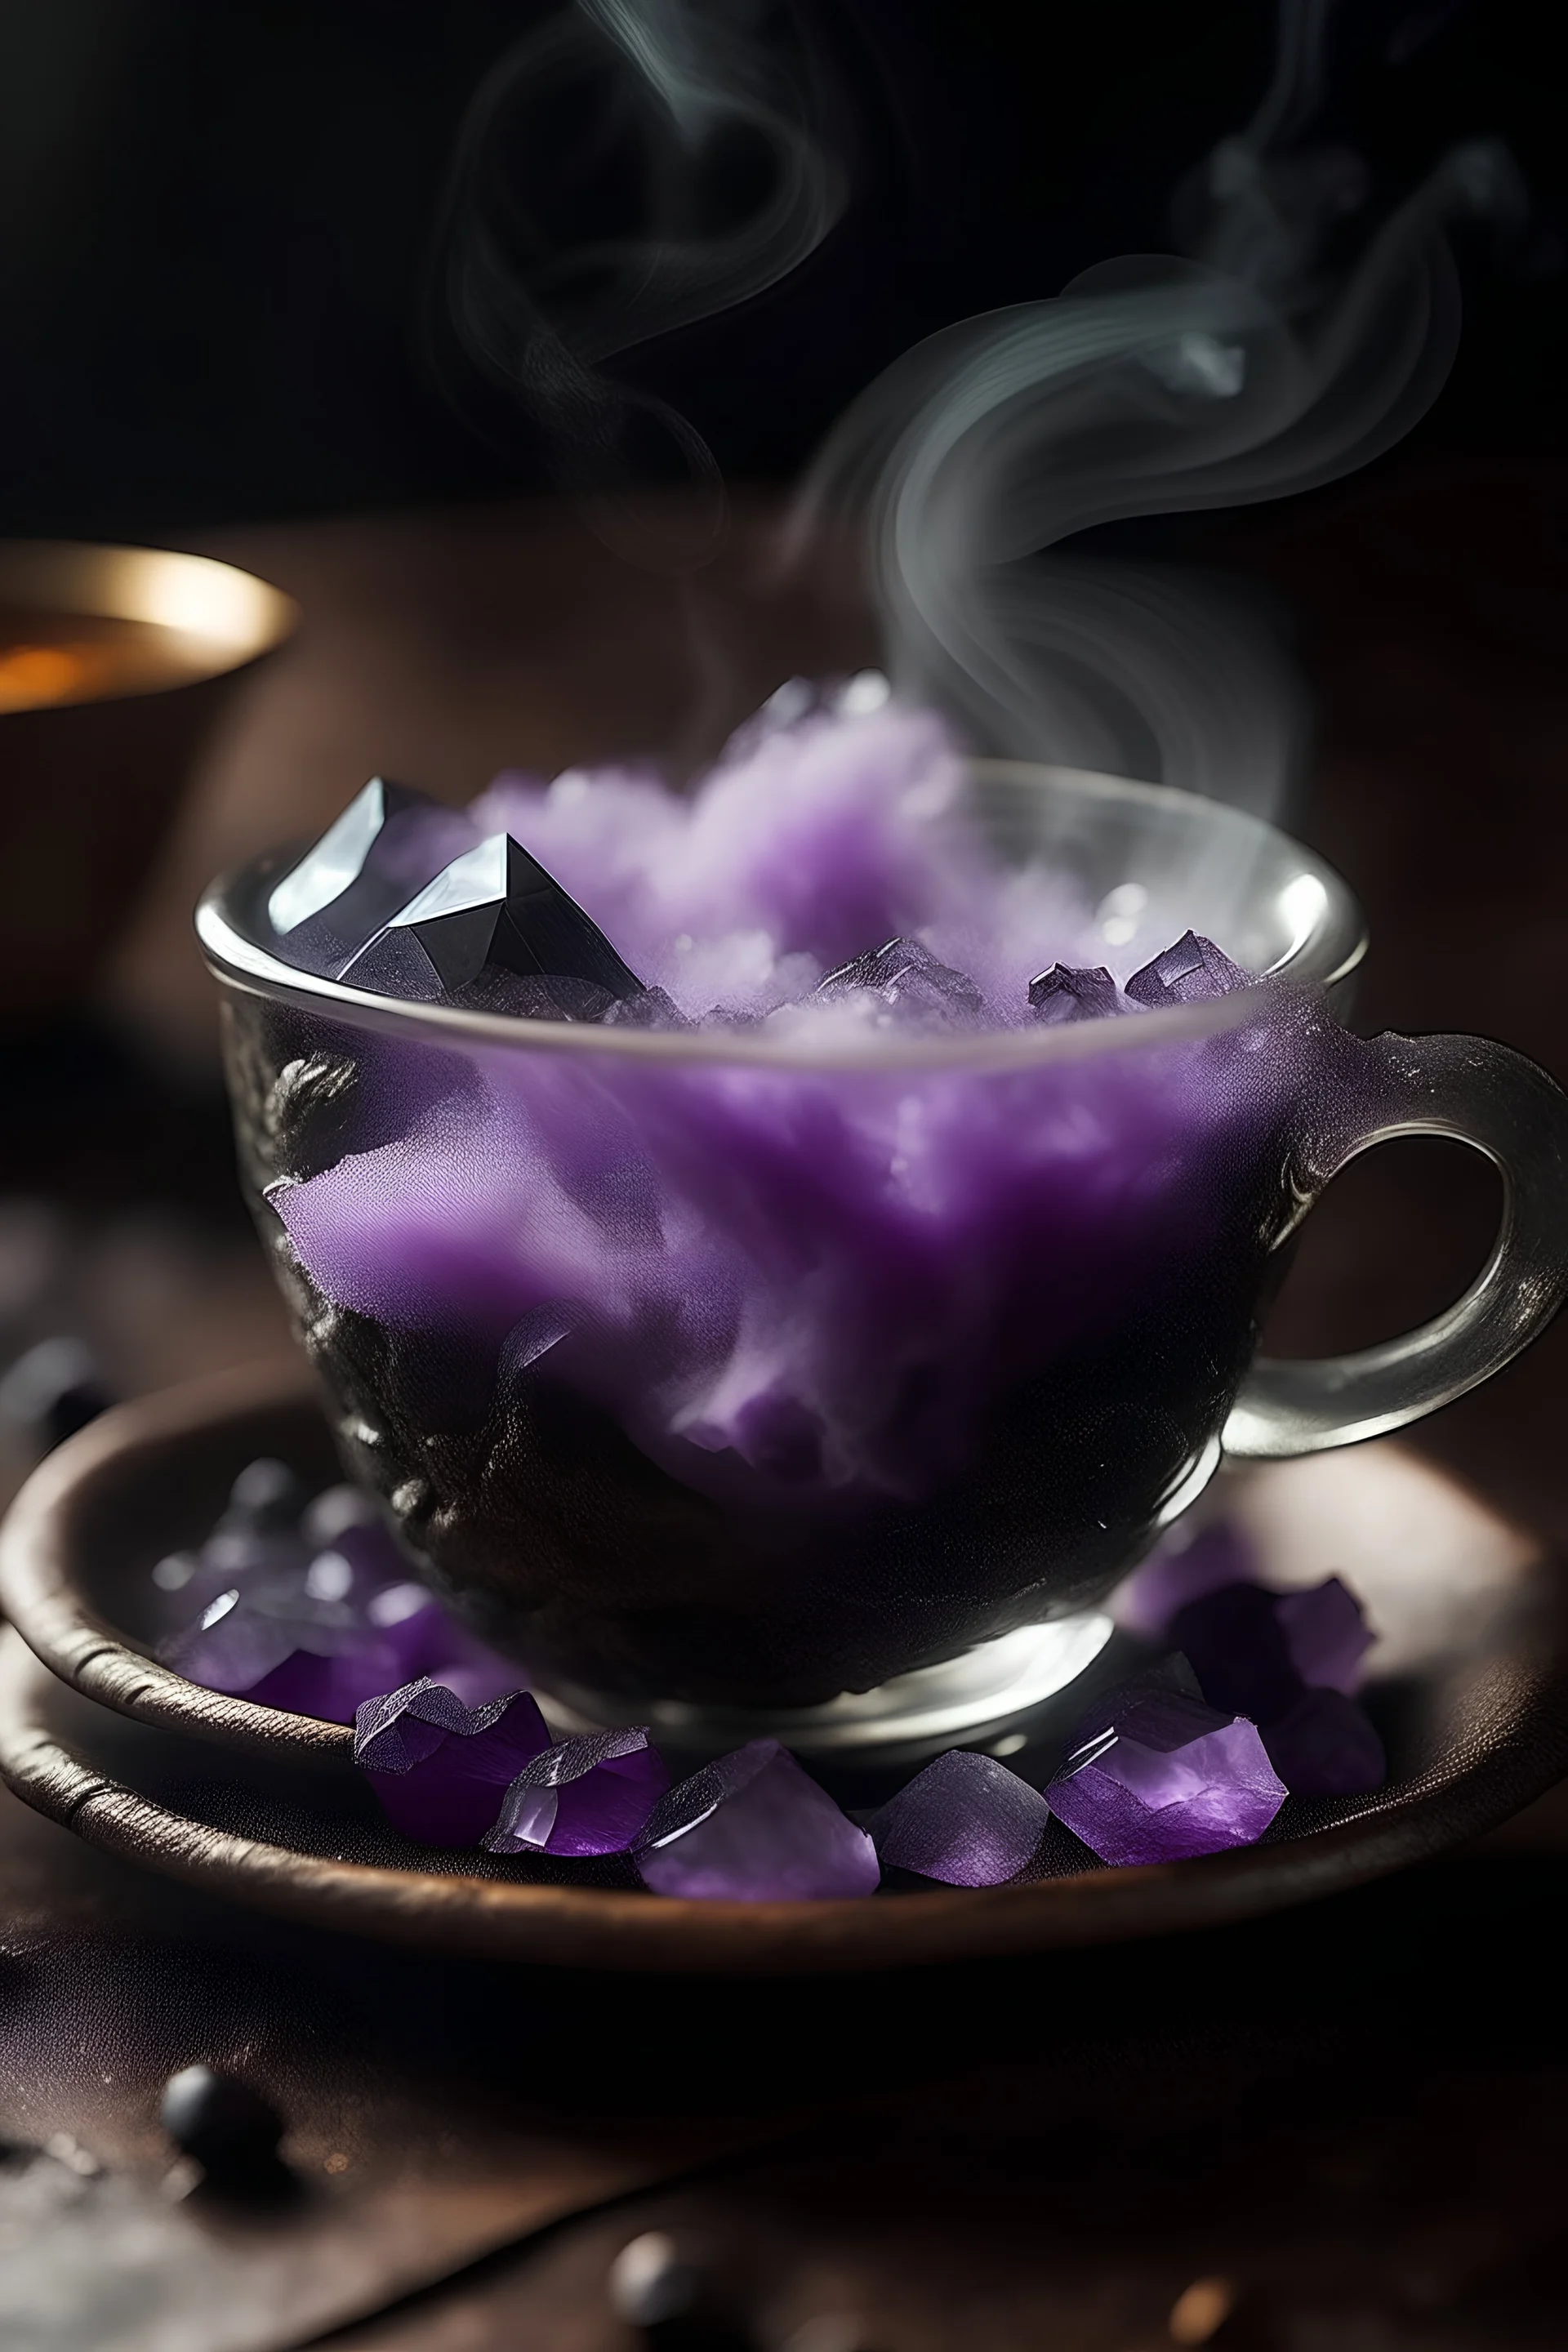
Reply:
x=1352, y=2117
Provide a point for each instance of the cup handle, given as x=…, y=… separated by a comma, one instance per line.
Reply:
x=1500, y=1104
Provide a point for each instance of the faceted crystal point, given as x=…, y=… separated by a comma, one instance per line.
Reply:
x=1326, y=1745
x=1193, y=971
x=591, y=1795
x=1255, y=1652
x=1154, y=1774
x=754, y=1828
x=388, y=843
x=493, y=910
x=440, y=1769
x=966, y=1820
x=1066, y=993
x=912, y=982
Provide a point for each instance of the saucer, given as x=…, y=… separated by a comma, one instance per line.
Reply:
x=1469, y=1686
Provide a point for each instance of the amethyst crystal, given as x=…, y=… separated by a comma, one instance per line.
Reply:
x=494, y=911
x=388, y=843
x=1154, y=1774
x=1193, y=971
x=1326, y=1745
x=1255, y=1652
x=966, y=1820
x=440, y=1769
x=754, y=1828
x=315, y=1614
x=1327, y=1633
x=1217, y=1554
x=1065, y=993
x=911, y=982
x=587, y=1796
x=1288, y=1660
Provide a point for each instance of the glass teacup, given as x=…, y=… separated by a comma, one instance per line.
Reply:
x=732, y=1385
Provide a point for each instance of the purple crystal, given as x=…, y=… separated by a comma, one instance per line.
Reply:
x=1218, y=1554
x=1066, y=992
x=1238, y=1651
x=440, y=1769
x=1154, y=1774
x=388, y=843
x=587, y=1796
x=317, y=1617
x=1326, y=1745
x=1327, y=1633
x=1254, y=1652
x=1193, y=971
x=492, y=912
x=754, y=1828
x=911, y=982
x=966, y=1820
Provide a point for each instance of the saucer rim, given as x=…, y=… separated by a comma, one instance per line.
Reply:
x=55, y=1636
x=638, y=1933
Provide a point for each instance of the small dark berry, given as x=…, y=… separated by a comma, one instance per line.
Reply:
x=230, y=2129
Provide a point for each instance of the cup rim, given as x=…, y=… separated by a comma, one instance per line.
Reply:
x=1325, y=953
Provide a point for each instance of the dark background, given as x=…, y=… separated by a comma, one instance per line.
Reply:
x=216, y=226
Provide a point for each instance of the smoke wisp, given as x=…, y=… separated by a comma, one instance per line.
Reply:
x=629, y=169
x=1244, y=370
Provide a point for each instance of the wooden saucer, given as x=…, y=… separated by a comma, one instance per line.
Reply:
x=1471, y=1687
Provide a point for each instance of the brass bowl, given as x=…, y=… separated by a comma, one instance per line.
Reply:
x=88, y=785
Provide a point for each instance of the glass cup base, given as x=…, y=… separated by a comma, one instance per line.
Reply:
x=965, y=1701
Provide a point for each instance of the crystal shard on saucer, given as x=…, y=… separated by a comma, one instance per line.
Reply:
x=389, y=842
x=587, y=1796
x=754, y=1828
x=966, y=1820
x=1326, y=1745
x=1255, y=1652
x=914, y=984
x=440, y=1769
x=1154, y=1774
x=1193, y=971
x=1065, y=993
x=312, y=1612
x=1327, y=1633
x=1178, y=1572
x=493, y=915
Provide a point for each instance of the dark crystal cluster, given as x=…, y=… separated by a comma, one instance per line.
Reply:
x=403, y=897
x=1194, y=1755
x=1290, y=1661
x=310, y=1606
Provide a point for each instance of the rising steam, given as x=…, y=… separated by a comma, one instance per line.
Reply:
x=633, y=167
x=1153, y=385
